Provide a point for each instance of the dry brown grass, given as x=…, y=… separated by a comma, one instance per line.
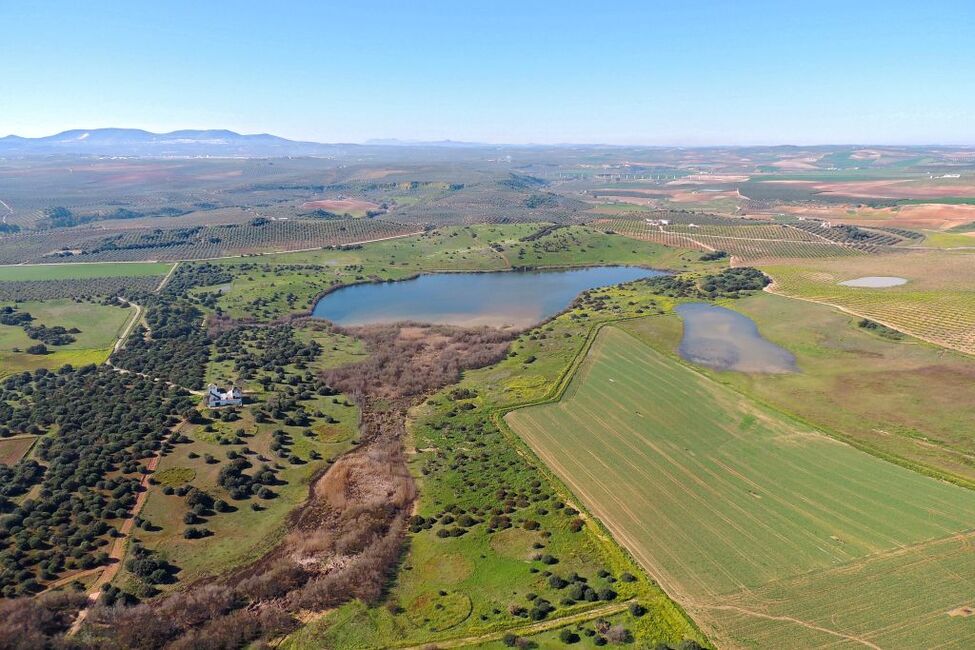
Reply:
x=345, y=541
x=933, y=216
x=353, y=207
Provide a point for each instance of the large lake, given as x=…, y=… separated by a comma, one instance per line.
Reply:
x=504, y=299
x=723, y=339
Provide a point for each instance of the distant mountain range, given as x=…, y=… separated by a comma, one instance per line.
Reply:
x=136, y=142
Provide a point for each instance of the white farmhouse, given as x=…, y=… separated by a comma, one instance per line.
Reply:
x=217, y=396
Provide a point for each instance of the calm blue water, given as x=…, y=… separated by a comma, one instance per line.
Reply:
x=511, y=298
x=723, y=339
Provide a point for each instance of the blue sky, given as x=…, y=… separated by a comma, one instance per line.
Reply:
x=617, y=72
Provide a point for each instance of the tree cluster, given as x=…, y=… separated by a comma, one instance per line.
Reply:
x=175, y=347
x=101, y=424
x=56, y=335
x=729, y=283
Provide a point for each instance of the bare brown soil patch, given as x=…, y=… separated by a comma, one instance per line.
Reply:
x=800, y=164
x=890, y=189
x=931, y=216
x=341, y=206
x=373, y=174
x=216, y=176
x=962, y=611
x=709, y=179
x=13, y=449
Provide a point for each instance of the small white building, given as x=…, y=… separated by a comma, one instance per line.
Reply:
x=217, y=396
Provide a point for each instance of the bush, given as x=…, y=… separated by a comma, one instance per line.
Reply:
x=618, y=634
x=568, y=636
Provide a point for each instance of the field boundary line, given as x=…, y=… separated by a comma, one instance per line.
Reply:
x=536, y=628
x=600, y=532
x=790, y=619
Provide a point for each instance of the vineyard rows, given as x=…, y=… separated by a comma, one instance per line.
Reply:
x=842, y=235
x=945, y=317
x=29, y=290
x=769, y=231
x=687, y=217
x=201, y=242
x=748, y=243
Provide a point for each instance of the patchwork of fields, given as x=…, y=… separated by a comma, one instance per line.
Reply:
x=766, y=531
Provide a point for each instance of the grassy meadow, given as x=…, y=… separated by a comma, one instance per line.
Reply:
x=100, y=327
x=41, y=272
x=245, y=533
x=720, y=498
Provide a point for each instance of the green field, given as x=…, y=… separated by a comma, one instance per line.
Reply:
x=938, y=239
x=724, y=502
x=100, y=327
x=81, y=271
x=899, y=399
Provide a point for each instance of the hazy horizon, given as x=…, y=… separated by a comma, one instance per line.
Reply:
x=632, y=74
x=408, y=142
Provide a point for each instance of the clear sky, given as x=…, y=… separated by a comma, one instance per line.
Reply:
x=621, y=72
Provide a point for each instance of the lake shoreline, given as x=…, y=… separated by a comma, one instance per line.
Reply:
x=505, y=298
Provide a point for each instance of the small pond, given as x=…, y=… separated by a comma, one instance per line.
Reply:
x=723, y=339
x=875, y=282
x=503, y=299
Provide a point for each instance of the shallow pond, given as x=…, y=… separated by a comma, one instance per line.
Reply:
x=875, y=282
x=511, y=298
x=723, y=339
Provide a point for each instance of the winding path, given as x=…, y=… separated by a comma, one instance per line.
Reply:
x=117, y=552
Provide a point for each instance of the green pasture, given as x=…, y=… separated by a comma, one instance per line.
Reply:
x=100, y=327
x=81, y=271
x=719, y=497
x=245, y=534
